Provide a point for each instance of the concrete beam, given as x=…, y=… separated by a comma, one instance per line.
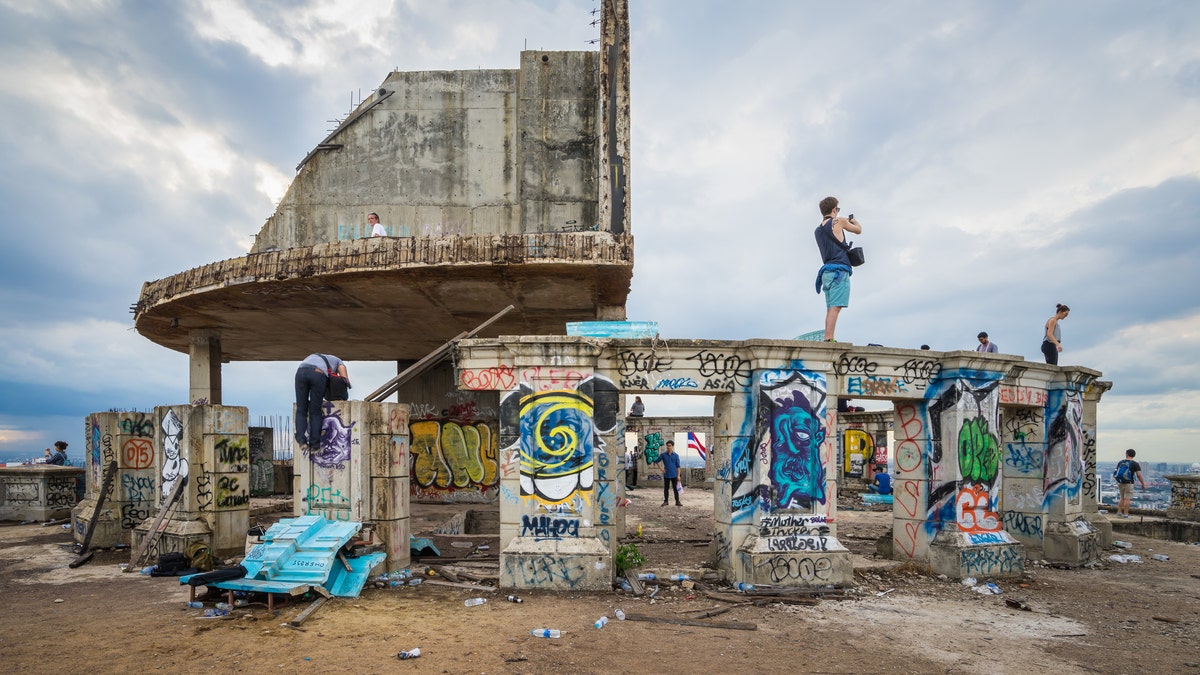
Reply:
x=204, y=366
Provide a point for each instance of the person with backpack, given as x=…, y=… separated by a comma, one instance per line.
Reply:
x=312, y=378
x=834, y=276
x=1127, y=471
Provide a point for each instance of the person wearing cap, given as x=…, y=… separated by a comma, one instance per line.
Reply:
x=986, y=345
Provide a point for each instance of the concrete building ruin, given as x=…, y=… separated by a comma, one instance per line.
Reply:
x=507, y=187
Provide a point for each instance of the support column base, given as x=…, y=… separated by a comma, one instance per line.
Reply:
x=1072, y=542
x=108, y=532
x=810, y=561
x=582, y=564
x=176, y=538
x=993, y=555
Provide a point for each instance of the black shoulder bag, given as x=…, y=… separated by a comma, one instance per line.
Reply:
x=854, y=253
x=338, y=387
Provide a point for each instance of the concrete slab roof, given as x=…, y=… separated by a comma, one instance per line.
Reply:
x=389, y=298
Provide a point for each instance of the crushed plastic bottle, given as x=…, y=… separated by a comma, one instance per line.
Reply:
x=148, y=569
x=601, y=622
x=474, y=602
x=1160, y=557
x=681, y=577
x=647, y=576
x=214, y=613
x=415, y=581
x=409, y=653
x=241, y=602
x=1122, y=544
x=224, y=605
x=620, y=615
x=195, y=604
x=626, y=587
x=994, y=588
x=545, y=632
x=969, y=581
x=513, y=598
x=743, y=586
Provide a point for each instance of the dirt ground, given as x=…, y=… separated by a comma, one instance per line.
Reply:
x=1117, y=618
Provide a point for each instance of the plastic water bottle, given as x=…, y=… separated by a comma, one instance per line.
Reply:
x=681, y=577
x=195, y=604
x=994, y=588
x=416, y=581
x=472, y=602
x=213, y=613
x=620, y=615
x=545, y=632
x=647, y=576
x=626, y=587
x=148, y=569
x=743, y=586
x=241, y=602
x=409, y=653
x=1160, y=557
x=601, y=622
x=513, y=598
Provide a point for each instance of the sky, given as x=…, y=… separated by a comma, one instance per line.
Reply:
x=1002, y=157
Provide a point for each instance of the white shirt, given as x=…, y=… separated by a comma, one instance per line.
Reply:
x=378, y=231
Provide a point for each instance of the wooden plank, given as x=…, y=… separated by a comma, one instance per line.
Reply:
x=430, y=359
x=345, y=563
x=445, y=573
x=308, y=611
x=690, y=622
x=153, y=533
x=110, y=473
x=635, y=583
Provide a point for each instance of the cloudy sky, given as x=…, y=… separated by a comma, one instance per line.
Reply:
x=1002, y=156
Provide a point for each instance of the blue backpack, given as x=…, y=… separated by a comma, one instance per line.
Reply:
x=1124, y=472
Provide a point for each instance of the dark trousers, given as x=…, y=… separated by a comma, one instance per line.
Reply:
x=310, y=396
x=669, y=489
x=1050, y=352
x=631, y=477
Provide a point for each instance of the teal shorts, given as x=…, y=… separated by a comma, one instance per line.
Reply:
x=837, y=293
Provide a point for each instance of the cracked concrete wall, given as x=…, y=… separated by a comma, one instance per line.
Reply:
x=455, y=153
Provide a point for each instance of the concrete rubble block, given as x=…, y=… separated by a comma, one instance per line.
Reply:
x=177, y=535
x=1073, y=542
x=956, y=555
x=582, y=564
x=394, y=536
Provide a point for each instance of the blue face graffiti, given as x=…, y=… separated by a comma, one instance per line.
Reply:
x=791, y=420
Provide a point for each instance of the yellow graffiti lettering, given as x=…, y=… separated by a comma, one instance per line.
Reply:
x=428, y=466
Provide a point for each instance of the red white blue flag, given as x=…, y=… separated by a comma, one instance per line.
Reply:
x=695, y=444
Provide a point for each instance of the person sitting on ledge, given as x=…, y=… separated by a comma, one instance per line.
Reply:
x=638, y=408
x=882, y=485
x=59, y=457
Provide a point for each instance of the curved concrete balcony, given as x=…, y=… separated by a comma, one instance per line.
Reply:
x=389, y=298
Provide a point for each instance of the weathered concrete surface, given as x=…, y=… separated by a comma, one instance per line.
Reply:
x=1185, y=497
x=959, y=555
x=40, y=492
x=1073, y=542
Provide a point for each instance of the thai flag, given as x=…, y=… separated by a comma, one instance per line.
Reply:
x=695, y=444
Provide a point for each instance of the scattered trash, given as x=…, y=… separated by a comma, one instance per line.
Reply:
x=513, y=598
x=195, y=604
x=474, y=602
x=409, y=653
x=880, y=595
x=743, y=586
x=224, y=605
x=620, y=615
x=969, y=581
x=545, y=632
x=1017, y=604
x=601, y=622
x=654, y=592
x=647, y=576
x=680, y=577
x=58, y=600
x=483, y=547
x=639, y=534
x=462, y=544
x=1125, y=558
x=994, y=588
x=1122, y=544
x=1160, y=557
x=215, y=613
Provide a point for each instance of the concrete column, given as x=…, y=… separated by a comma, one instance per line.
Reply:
x=793, y=472
x=262, y=461
x=204, y=367
x=963, y=499
x=361, y=473
x=1067, y=537
x=1023, y=449
x=209, y=446
x=1091, y=482
x=128, y=439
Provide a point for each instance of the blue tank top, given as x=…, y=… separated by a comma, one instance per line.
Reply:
x=832, y=250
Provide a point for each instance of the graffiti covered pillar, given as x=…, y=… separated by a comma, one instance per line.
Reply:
x=962, y=502
x=1023, y=449
x=206, y=448
x=792, y=479
x=558, y=496
x=128, y=439
x=1068, y=537
x=1091, y=482
x=360, y=473
x=262, y=461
